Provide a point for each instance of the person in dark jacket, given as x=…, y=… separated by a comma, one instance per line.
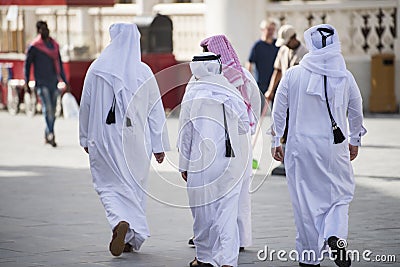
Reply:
x=44, y=54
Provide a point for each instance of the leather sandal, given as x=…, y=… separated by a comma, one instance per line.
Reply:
x=117, y=244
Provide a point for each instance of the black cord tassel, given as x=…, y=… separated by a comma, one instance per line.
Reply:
x=111, y=114
x=338, y=136
x=228, y=148
x=110, y=117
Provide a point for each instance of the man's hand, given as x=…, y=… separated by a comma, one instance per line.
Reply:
x=67, y=88
x=184, y=175
x=277, y=153
x=353, y=152
x=27, y=89
x=159, y=157
x=86, y=150
x=269, y=95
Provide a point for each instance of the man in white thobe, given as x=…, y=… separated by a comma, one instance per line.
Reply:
x=244, y=82
x=121, y=122
x=319, y=172
x=213, y=115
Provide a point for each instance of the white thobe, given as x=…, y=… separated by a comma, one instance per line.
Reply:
x=244, y=214
x=319, y=172
x=214, y=181
x=120, y=153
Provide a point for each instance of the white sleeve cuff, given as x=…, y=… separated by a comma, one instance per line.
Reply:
x=355, y=141
x=276, y=141
x=83, y=142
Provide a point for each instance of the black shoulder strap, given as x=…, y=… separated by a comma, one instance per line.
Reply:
x=229, y=153
x=225, y=124
x=327, y=104
x=338, y=136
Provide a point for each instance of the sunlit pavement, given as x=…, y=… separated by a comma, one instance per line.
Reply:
x=51, y=216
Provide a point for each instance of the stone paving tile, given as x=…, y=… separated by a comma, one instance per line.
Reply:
x=51, y=216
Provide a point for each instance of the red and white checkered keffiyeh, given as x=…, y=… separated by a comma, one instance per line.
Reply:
x=231, y=68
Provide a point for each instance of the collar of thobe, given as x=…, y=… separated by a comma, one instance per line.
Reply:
x=215, y=84
x=121, y=58
x=215, y=87
x=326, y=61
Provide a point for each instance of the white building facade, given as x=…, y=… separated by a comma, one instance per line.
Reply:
x=366, y=28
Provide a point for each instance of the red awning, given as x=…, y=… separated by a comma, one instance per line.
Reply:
x=57, y=2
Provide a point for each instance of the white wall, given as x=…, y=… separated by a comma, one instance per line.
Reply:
x=237, y=19
x=361, y=69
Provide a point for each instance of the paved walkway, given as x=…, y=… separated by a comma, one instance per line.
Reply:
x=51, y=216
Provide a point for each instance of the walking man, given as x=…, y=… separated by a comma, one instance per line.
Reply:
x=262, y=56
x=244, y=82
x=121, y=122
x=213, y=115
x=45, y=56
x=322, y=97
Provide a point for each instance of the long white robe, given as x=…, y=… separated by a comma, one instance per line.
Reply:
x=214, y=181
x=319, y=172
x=244, y=214
x=240, y=78
x=120, y=170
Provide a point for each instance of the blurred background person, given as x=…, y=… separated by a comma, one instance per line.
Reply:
x=290, y=53
x=262, y=56
x=44, y=54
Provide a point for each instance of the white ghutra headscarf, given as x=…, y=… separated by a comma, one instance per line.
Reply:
x=120, y=61
x=326, y=61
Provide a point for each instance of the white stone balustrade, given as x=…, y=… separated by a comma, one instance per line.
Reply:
x=350, y=18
